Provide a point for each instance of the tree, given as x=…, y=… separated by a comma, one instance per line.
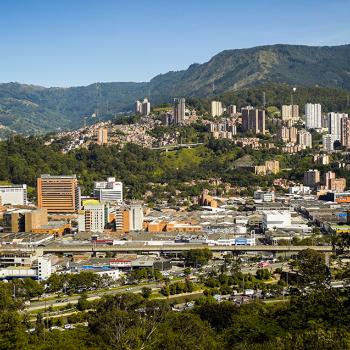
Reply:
x=311, y=269
x=184, y=331
x=83, y=303
x=32, y=288
x=165, y=291
x=218, y=315
x=263, y=274
x=198, y=257
x=187, y=271
x=146, y=292
x=55, y=282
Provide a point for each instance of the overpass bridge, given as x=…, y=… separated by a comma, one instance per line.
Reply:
x=175, y=248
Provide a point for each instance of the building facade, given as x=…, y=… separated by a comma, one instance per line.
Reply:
x=138, y=107
x=312, y=177
x=335, y=124
x=345, y=132
x=146, y=107
x=136, y=217
x=313, y=116
x=273, y=219
x=13, y=195
x=94, y=214
x=109, y=191
x=179, y=110
x=253, y=120
x=58, y=194
x=102, y=136
x=290, y=113
x=305, y=138
x=328, y=142
x=232, y=110
x=216, y=108
x=288, y=134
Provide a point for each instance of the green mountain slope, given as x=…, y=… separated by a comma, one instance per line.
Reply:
x=33, y=109
x=235, y=69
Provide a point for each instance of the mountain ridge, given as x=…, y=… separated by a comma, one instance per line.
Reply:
x=26, y=108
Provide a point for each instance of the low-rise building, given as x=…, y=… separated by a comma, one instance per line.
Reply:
x=13, y=194
x=276, y=219
x=109, y=191
x=206, y=200
x=321, y=159
x=264, y=196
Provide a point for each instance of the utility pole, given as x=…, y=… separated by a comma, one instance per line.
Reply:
x=264, y=100
x=43, y=320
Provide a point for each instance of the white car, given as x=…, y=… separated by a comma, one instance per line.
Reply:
x=30, y=330
x=69, y=326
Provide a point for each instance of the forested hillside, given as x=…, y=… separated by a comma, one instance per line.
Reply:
x=141, y=169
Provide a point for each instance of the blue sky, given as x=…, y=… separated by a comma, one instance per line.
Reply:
x=78, y=42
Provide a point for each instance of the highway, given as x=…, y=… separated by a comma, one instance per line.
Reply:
x=38, y=305
x=143, y=248
x=42, y=304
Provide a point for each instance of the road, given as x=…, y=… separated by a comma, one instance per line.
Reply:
x=176, y=146
x=38, y=305
x=178, y=247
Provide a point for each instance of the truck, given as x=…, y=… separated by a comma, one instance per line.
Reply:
x=249, y=292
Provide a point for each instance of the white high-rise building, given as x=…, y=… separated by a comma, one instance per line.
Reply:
x=109, y=191
x=179, y=110
x=216, y=108
x=136, y=217
x=146, y=107
x=304, y=138
x=138, y=107
x=94, y=217
x=313, y=116
x=13, y=195
x=44, y=268
x=334, y=124
x=328, y=142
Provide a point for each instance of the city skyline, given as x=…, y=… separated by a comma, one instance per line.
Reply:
x=70, y=44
